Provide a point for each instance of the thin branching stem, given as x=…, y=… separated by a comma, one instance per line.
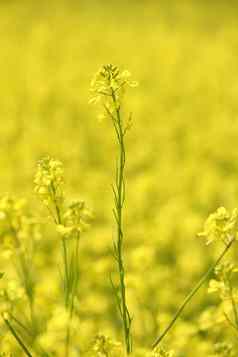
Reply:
x=119, y=199
x=66, y=267
x=17, y=338
x=230, y=322
x=65, y=254
x=191, y=294
x=73, y=290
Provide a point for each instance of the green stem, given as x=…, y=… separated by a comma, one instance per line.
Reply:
x=66, y=267
x=20, y=324
x=191, y=294
x=65, y=257
x=119, y=194
x=18, y=339
x=73, y=292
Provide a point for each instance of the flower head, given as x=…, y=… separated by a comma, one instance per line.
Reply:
x=105, y=346
x=108, y=87
x=222, y=282
x=223, y=349
x=75, y=219
x=161, y=352
x=221, y=225
x=16, y=226
x=49, y=182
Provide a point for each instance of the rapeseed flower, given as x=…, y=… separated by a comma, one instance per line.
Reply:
x=221, y=225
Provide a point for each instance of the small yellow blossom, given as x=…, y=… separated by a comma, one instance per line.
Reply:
x=108, y=87
x=104, y=346
x=221, y=225
x=49, y=181
x=161, y=352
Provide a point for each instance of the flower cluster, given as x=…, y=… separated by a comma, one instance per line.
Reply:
x=223, y=282
x=75, y=219
x=11, y=213
x=221, y=225
x=49, y=182
x=104, y=346
x=16, y=226
x=11, y=293
x=161, y=352
x=108, y=87
x=223, y=349
x=53, y=338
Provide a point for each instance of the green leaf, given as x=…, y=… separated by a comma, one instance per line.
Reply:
x=1, y=275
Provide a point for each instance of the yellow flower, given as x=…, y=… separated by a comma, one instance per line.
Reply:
x=108, y=87
x=221, y=225
x=49, y=180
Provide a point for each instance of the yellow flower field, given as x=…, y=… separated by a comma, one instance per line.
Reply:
x=106, y=181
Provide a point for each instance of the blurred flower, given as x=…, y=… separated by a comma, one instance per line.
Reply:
x=16, y=226
x=49, y=183
x=161, y=352
x=75, y=220
x=108, y=87
x=223, y=283
x=223, y=349
x=49, y=180
x=221, y=225
x=104, y=346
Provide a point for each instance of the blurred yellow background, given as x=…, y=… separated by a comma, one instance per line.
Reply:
x=182, y=160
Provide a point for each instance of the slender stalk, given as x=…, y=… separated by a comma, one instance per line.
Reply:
x=119, y=196
x=71, y=276
x=66, y=282
x=65, y=254
x=18, y=339
x=73, y=291
x=66, y=268
x=191, y=294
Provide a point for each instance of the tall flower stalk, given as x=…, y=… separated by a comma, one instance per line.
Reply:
x=108, y=88
x=70, y=221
